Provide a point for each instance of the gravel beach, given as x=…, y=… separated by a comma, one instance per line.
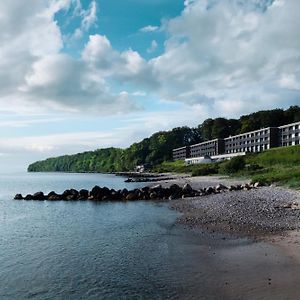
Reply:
x=267, y=217
x=261, y=211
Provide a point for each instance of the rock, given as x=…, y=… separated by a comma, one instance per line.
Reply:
x=52, y=193
x=98, y=193
x=83, y=194
x=239, y=187
x=209, y=190
x=124, y=193
x=247, y=186
x=74, y=192
x=128, y=180
x=175, y=189
x=131, y=196
x=232, y=188
x=38, y=196
x=157, y=187
x=187, y=188
x=54, y=197
x=153, y=196
x=71, y=197
x=28, y=197
x=145, y=189
x=258, y=184
x=221, y=187
x=172, y=197
x=18, y=197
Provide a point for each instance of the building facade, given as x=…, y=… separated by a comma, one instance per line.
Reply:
x=254, y=141
x=209, y=148
x=289, y=134
x=181, y=153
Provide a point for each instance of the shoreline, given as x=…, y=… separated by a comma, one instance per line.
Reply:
x=268, y=265
x=256, y=260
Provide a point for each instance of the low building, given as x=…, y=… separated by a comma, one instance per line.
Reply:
x=198, y=160
x=289, y=135
x=209, y=148
x=254, y=141
x=181, y=153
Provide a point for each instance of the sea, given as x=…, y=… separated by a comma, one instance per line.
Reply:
x=88, y=250
x=112, y=250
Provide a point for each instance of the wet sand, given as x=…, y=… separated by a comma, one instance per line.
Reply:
x=253, y=238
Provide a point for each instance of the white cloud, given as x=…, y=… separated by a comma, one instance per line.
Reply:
x=139, y=93
x=89, y=16
x=36, y=77
x=219, y=51
x=289, y=81
x=149, y=28
x=152, y=47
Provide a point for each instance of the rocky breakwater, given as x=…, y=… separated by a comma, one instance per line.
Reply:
x=156, y=192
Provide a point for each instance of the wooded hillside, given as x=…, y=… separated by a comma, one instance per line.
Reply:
x=158, y=148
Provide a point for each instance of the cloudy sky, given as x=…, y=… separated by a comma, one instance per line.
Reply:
x=78, y=75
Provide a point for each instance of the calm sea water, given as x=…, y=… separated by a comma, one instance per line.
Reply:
x=134, y=250
x=85, y=250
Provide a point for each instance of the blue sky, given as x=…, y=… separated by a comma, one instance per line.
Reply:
x=78, y=75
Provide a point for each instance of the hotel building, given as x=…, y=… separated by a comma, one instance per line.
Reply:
x=253, y=141
x=181, y=153
x=209, y=148
x=289, y=134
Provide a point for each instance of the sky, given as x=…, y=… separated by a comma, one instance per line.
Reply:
x=77, y=75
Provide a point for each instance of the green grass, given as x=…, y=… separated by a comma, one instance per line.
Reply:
x=278, y=165
x=180, y=167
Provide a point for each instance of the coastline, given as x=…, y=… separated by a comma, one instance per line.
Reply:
x=230, y=263
x=268, y=217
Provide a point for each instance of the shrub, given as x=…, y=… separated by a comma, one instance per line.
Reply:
x=204, y=170
x=234, y=165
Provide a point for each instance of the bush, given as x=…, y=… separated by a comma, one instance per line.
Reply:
x=234, y=165
x=204, y=170
x=253, y=167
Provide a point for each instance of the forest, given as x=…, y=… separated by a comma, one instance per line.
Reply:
x=157, y=148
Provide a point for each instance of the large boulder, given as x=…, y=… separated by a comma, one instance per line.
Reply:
x=18, y=197
x=258, y=184
x=28, y=197
x=209, y=190
x=52, y=196
x=221, y=187
x=74, y=192
x=175, y=189
x=131, y=196
x=155, y=188
x=187, y=189
x=38, y=196
x=97, y=193
x=83, y=194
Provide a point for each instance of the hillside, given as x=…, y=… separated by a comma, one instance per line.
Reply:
x=278, y=165
x=158, y=148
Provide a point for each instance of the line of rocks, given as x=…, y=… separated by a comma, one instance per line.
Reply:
x=156, y=192
x=151, y=179
x=138, y=174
